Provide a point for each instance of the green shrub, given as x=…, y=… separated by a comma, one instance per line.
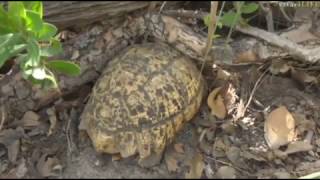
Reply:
x=31, y=41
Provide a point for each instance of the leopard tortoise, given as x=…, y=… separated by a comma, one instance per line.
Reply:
x=141, y=100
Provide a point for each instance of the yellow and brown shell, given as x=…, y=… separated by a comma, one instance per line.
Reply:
x=142, y=99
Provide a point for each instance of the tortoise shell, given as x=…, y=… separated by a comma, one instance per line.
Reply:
x=142, y=99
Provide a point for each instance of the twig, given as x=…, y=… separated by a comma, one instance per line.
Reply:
x=162, y=6
x=228, y=164
x=253, y=91
x=285, y=15
x=3, y=117
x=293, y=49
x=212, y=27
x=185, y=13
x=266, y=9
x=211, y=30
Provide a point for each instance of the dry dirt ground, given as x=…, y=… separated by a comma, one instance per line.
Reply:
x=207, y=147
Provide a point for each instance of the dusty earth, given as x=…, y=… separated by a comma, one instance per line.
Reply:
x=207, y=147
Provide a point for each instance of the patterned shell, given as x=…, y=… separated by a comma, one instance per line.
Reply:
x=142, y=99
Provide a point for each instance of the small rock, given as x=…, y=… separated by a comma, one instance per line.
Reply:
x=7, y=89
x=97, y=163
x=226, y=172
x=22, y=91
x=282, y=175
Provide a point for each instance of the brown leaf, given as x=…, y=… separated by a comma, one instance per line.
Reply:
x=302, y=77
x=279, y=128
x=75, y=54
x=45, y=165
x=11, y=139
x=17, y=172
x=223, y=75
x=179, y=147
x=116, y=157
x=53, y=120
x=229, y=95
x=298, y=146
x=279, y=67
x=30, y=119
x=171, y=162
x=108, y=36
x=216, y=104
x=249, y=155
x=300, y=34
x=233, y=154
x=196, y=167
x=244, y=57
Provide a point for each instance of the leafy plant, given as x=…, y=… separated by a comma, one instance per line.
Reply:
x=31, y=41
x=234, y=16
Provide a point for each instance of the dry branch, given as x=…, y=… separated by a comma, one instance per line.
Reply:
x=20, y=96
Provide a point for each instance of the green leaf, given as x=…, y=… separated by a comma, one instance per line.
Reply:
x=16, y=13
x=65, y=67
x=35, y=6
x=249, y=8
x=4, y=25
x=229, y=19
x=48, y=31
x=207, y=19
x=53, y=49
x=34, y=21
x=11, y=45
x=33, y=53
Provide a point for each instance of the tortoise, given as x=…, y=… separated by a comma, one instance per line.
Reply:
x=140, y=102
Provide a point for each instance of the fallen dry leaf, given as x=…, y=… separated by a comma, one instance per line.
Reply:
x=298, y=146
x=216, y=104
x=30, y=119
x=223, y=75
x=53, y=120
x=303, y=77
x=116, y=157
x=228, y=127
x=75, y=54
x=229, y=94
x=10, y=138
x=172, y=163
x=226, y=172
x=279, y=128
x=300, y=34
x=108, y=36
x=17, y=172
x=248, y=155
x=45, y=165
x=205, y=147
x=179, y=147
x=196, y=167
x=279, y=67
x=233, y=154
